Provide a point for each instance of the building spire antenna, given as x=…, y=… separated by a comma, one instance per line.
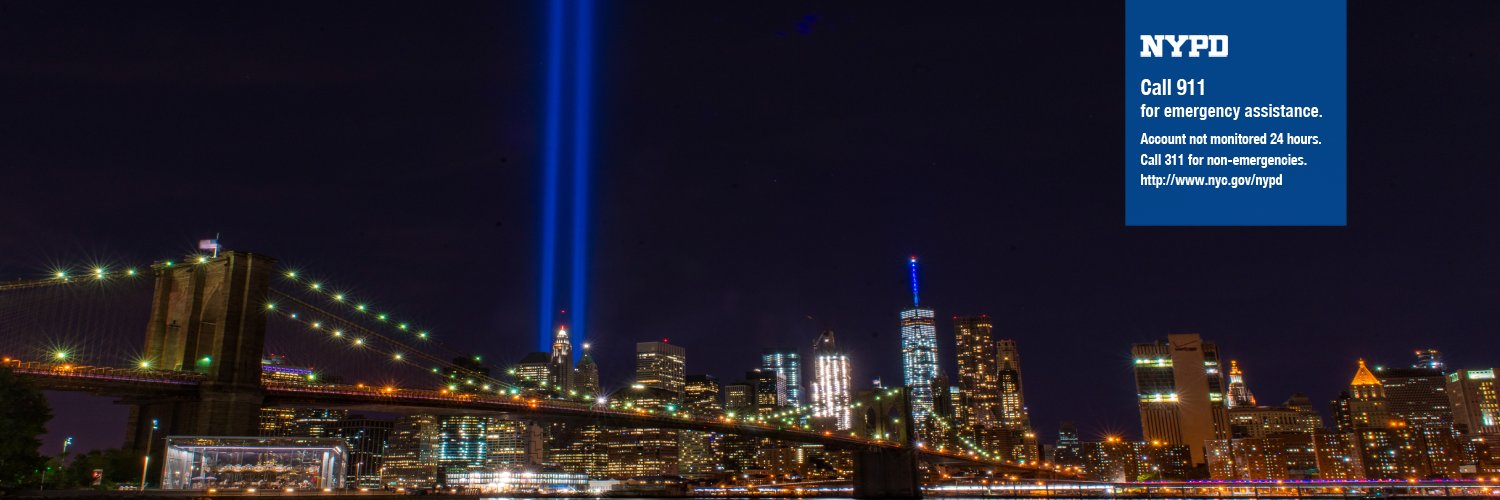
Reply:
x=914, y=296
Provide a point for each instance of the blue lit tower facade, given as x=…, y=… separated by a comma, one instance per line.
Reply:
x=919, y=364
x=787, y=363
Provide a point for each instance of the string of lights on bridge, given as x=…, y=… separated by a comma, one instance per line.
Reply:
x=356, y=306
x=359, y=337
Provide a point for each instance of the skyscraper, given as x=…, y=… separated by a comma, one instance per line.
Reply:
x=367, y=439
x=560, y=365
x=1180, y=392
x=513, y=443
x=700, y=451
x=769, y=390
x=788, y=363
x=661, y=365
x=1239, y=394
x=702, y=395
x=463, y=441
x=978, y=372
x=1476, y=407
x=919, y=365
x=1419, y=396
x=640, y=451
x=1387, y=445
x=1368, y=406
x=1013, y=412
x=586, y=373
x=1019, y=441
x=739, y=398
x=830, y=389
x=534, y=370
x=411, y=455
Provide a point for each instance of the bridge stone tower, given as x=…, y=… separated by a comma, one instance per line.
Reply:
x=207, y=317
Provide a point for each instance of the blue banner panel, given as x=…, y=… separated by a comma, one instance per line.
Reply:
x=1235, y=113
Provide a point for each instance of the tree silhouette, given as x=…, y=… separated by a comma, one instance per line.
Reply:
x=23, y=418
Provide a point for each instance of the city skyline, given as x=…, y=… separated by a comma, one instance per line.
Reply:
x=541, y=368
x=1197, y=418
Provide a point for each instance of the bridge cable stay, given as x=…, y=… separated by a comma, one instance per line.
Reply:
x=342, y=299
x=403, y=352
x=334, y=295
x=72, y=318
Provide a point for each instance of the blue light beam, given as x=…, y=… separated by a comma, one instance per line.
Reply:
x=583, y=60
x=550, y=165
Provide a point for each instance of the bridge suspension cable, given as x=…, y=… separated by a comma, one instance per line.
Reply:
x=358, y=335
x=366, y=310
x=63, y=277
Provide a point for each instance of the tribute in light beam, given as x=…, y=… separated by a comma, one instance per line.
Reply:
x=550, y=161
x=567, y=141
x=583, y=60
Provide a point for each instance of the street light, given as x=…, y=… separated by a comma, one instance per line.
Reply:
x=146, y=462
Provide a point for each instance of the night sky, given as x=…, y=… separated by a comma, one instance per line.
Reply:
x=762, y=171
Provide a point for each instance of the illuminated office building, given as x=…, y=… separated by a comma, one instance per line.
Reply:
x=411, y=453
x=642, y=451
x=534, y=369
x=301, y=422
x=978, y=372
x=1267, y=421
x=422, y=447
x=1013, y=412
x=739, y=398
x=1180, y=392
x=919, y=365
x=316, y=422
x=1117, y=460
x=830, y=390
x=1019, y=441
x=513, y=444
x=1419, y=396
x=1337, y=455
x=700, y=451
x=701, y=395
x=1476, y=406
x=660, y=386
x=277, y=422
x=463, y=441
x=1368, y=406
x=367, y=439
x=1066, y=451
x=1387, y=445
x=1241, y=459
x=271, y=369
x=560, y=364
x=769, y=390
x=661, y=365
x=579, y=449
x=1239, y=394
x=787, y=363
